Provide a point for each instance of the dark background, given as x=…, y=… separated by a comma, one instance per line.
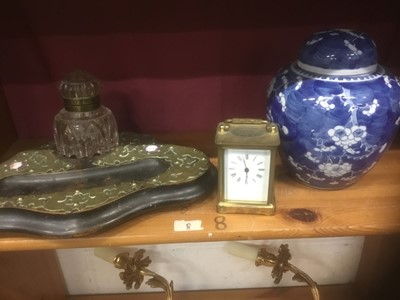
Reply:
x=168, y=66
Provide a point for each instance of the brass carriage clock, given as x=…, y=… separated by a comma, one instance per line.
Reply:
x=246, y=162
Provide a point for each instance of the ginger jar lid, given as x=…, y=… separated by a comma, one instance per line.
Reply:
x=338, y=52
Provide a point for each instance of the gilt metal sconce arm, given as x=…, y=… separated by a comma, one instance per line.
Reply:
x=279, y=263
x=135, y=269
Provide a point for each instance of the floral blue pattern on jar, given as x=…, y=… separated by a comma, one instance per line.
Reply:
x=336, y=108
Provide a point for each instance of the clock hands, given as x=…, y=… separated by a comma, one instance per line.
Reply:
x=246, y=169
x=253, y=169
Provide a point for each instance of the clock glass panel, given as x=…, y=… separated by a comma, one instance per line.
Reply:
x=247, y=174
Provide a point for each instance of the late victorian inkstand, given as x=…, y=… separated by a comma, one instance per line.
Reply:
x=93, y=178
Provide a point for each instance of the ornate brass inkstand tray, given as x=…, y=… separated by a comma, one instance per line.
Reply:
x=43, y=193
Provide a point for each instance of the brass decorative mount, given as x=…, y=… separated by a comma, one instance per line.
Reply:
x=280, y=264
x=135, y=269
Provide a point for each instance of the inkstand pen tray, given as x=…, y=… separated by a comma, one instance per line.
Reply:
x=46, y=194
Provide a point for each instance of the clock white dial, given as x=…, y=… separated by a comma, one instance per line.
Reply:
x=247, y=174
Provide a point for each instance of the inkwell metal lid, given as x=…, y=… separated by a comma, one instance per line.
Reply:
x=80, y=92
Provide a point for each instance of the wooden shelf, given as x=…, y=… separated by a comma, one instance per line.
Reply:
x=369, y=207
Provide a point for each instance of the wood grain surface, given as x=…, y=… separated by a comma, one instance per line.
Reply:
x=369, y=207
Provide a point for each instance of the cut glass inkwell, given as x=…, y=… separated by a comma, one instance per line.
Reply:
x=84, y=127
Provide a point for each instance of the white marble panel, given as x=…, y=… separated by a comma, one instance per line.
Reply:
x=204, y=266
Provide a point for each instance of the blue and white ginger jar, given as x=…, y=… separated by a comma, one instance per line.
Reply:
x=336, y=108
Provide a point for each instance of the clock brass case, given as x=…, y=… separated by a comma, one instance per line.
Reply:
x=260, y=138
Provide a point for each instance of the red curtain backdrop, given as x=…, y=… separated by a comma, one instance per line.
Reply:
x=167, y=66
